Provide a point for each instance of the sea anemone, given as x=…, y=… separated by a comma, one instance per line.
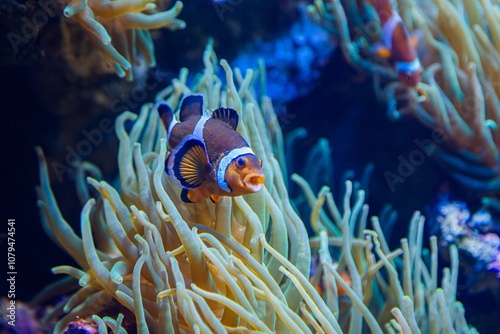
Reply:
x=242, y=264
x=118, y=29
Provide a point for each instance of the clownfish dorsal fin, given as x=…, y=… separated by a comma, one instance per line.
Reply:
x=226, y=115
x=188, y=163
x=191, y=105
x=166, y=113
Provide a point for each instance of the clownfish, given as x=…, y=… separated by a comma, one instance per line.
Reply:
x=398, y=45
x=208, y=157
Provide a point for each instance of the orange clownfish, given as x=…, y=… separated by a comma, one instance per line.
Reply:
x=398, y=45
x=208, y=157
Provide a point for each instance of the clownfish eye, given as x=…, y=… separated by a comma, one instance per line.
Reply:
x=240, y=162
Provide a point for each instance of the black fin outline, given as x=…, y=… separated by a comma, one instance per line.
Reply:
x=213, y=199
x=185, y=196
x=227, y=115
x=188, y=163
x=191, y=105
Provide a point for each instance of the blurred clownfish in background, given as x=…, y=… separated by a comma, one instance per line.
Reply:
x=208, y=157
x=398, y=45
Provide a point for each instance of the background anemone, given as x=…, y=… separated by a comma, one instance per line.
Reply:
x=458, y=96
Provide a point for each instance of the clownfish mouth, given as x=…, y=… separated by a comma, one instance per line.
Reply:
x=254, y=182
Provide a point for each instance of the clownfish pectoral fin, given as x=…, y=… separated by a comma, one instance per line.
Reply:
x=226, y=115
x=192, y=195
x=215, y=198
x=166, y=113
x=185, y=196
x=381, y=50
x=191, y=105
x=188, y=164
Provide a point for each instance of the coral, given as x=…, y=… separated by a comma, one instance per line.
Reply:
x=458, y=95
x=293, y=60
x=118, y=29
x=81, y=326
x=21, y=318
x=475, y=235
x=244, y=263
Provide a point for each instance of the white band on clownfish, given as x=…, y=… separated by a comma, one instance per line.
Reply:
x=404, y=66
x=388, y=28
x=224, y=163
x=200, y=125
x=170, y=127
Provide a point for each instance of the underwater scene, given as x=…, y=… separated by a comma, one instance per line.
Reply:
x=247, y=166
